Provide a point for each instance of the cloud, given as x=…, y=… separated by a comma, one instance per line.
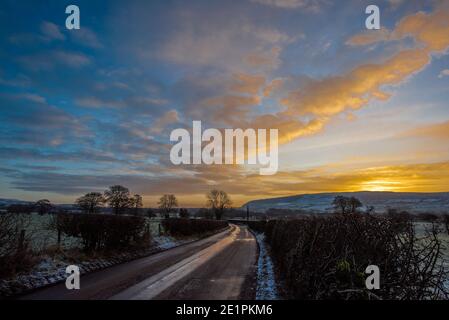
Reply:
x=94, y=102
x=87, y=37
x=428, y=29
x=71, y=59
x=132, y=104
x=28, y=154
x=272, y=87
x=49, y=60
x=247, y=83
x=169, y=118
x=50, y=31
x=312, y=5
x=264, y=59
x=226, y=71
x=224, y=40
x=394, y=4
x=19, y=80
x=242, y=187
x=325, y=98
x=355, y=89
x=438, y=131
x=28, y=119
x=31, y=97
x=306, y=109
x=369, y=37
x=443, y=73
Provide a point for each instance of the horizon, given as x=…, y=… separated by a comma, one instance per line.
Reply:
x=356, y=110
x=259, y=199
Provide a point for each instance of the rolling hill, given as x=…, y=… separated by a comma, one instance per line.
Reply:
x=382, y=201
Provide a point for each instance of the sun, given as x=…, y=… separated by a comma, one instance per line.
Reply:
x=381, y=185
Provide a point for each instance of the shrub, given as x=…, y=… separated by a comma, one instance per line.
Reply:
x=258, y=226
x=446, y=222
x=104, y=232
x=326, y=257
x=19, y=208
x=15, y=255
x=205, y=214
x=428, y=217
x=190, y=227
x=184, y=213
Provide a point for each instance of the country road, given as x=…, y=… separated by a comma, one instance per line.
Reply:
x=211, y=268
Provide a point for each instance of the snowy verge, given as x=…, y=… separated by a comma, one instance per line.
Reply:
x=266, y=282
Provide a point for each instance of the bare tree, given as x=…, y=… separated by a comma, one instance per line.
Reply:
x=340, y=204
x=91, y=202
x=43, y=206
x=118, y=198
x=167, y=203
x=354, y=204
x=218, y=201
x=136, y=203
x=346, y=205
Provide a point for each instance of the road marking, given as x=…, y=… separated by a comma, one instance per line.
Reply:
x=153, y=286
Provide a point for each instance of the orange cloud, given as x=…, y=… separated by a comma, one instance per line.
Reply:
x=307, y=109
x=263, y=58
x=319, y=100
x=435, y=131
x=354, y=90
x=247, y=83
x=167, y=118
x=272, y=86
x=243, y=187
x=369, y=37
x=429, y=29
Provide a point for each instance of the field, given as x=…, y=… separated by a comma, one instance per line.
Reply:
x=443, y=236
x=42, y=236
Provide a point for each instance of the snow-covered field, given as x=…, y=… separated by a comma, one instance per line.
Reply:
x=381, y=201
x=37, y=228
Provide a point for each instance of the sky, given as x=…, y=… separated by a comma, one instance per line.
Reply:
x=356, y=109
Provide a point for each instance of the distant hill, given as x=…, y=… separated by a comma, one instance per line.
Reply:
x=322, y=202
x=7, y=202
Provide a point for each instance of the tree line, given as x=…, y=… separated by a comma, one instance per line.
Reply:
x=121, y=201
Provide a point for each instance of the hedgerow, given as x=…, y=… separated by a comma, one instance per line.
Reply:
x=190, y=227
x=326, y=257
x=104, y=232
